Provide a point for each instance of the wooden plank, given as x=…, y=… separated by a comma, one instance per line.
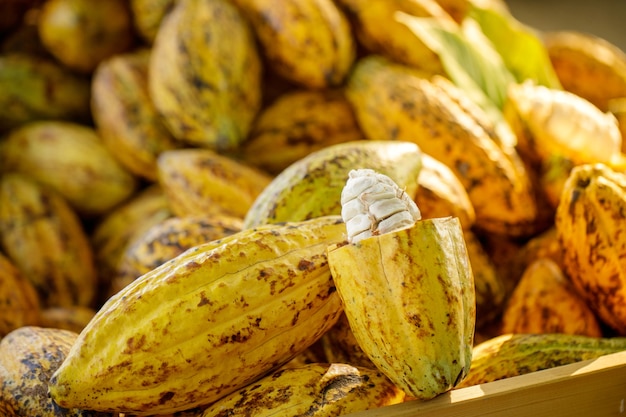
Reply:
x=593, y=388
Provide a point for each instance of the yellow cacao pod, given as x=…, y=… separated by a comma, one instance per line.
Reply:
x=73, y=318
x=124, y=115
x=113, y=232
x=489, y=285
x=440, y=193
x=317, y=389
x=311, y=186
x=378, y=30
x=46, y=240
x=167, y=239
x=206, y=323
x=296, y=124
x=72, y=159
x=409, y=298
x=28, y=357
x=394, y=102
x=80, y=33
x=25, y=81
x=587, y=65
x=19, y=301
x=308, y=42
x=550, y=121
x=545, y=301
x=203, y=182
x=590, y=228
x=148, y=15
x=340, y=346
x=509, y=355
x=205, y=74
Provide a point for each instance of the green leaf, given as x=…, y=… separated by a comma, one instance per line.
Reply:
x=520, y=47
x=468, y=58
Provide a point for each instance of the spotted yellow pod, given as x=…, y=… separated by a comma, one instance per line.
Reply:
x=80, y=34
x=440, y=193
x=317, y=389
x=407, y=292
x=509, y=355
x=308, y=42
x=124, y=115
x=44, y=237
x=72, y=159
x=395, y=102
x=545, y=301
x=550, y=122
x=378, y=30
x=200, y=181
x=19, y=301
x=147, y=16
x=206, y=323
x=114, y=231
x=167, y=239
x=311, y=186
x=587, y=65
x=590, y=228
x=204, y=75
x=26, y=96
x=296, y=124
x=28, y=357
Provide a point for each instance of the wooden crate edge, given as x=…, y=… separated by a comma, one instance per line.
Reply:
x=594, y=387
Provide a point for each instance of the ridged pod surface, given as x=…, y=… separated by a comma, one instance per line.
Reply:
x=36, y=88
x=591, y=229
x=19, y=302
x=72, y=159
x=587, y=65
x=200, y=181
x=28, y=357
x=206, y=323
x=509, y=355
x=308, y=42
x=409, y=298
x=545, y=301
x=394, y=102
x=315, y=390
x=45, y=239
x=124, y=115
x=378, y=30
x=167, y=239
x=296, y=124
x=205, y=74
x=311, y=186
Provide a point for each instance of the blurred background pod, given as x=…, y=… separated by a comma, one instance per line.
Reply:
x=205, y=74
x=72, y=159
x=124, y=116
x=45, y=239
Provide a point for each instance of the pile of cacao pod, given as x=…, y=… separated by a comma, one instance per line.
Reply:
x=176, y=211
